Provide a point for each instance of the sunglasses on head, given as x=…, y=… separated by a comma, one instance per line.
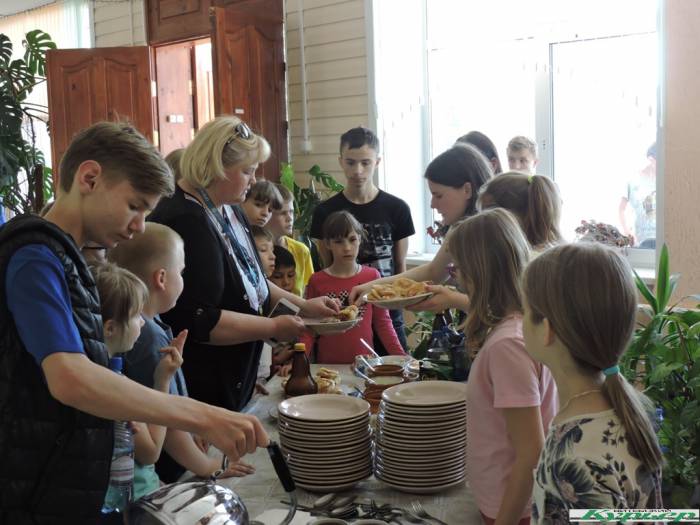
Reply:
x=240, y=131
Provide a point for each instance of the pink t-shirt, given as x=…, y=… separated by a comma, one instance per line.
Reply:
x=503, y=375
x=342, y=348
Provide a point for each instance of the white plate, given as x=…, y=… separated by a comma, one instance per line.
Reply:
x=314, y=453
x=405, y=444
x=422, y=411
x=399, y=302
x=323, y=426
x=336, y=437
x=321, y=328
x=304, y=444
x=411, y=449
x=426, y=393
x=439, y=437
x=329, y=465
x=334, y=474
x=412, y=420
x=411, y=489
x=314, y=427
x=418, y=461
x=327, y=488
x=422, y=476
x=321, y=407
x=312, y=477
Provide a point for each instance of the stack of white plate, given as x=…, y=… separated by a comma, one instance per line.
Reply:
x=421, y=437
x=326, y=440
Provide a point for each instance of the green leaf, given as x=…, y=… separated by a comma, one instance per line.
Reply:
x=646, y=292
x=21, y=79
x=662, y=281
x=694, y=330
x=5, y=49
x=287, y=176
x=37, y=43
x=662, y=371
x=10, y=117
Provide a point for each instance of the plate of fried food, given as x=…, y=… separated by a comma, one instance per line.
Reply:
x=343, y=321
x=327, y=380
x=400, y=293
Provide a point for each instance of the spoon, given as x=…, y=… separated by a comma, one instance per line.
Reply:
x=324, y=501
x=371, y=350
x=370, y=368
x=366, y=378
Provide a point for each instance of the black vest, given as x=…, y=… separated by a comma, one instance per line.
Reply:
x=54, y=460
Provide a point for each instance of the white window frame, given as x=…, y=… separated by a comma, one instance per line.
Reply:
x=639, y=258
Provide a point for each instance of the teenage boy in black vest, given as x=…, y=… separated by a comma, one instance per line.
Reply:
x=386, y=219
x=57, y=395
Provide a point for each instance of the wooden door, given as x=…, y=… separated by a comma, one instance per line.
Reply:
x=86, y=86
x=176, y=122
x=172, y=20
x=249, y=72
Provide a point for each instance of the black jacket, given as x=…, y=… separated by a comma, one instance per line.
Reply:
x=54, y=460
x=219, y=375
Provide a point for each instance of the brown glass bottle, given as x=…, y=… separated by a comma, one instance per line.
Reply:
x=301, y=382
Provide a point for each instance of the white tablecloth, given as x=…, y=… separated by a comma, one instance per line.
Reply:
x=262, y=491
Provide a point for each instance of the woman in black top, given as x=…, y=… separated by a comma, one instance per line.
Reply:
x=226, y=295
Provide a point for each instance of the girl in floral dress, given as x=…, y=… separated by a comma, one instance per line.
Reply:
x=601, y=451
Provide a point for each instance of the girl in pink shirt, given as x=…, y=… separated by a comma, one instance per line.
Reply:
x=510, y=397
x=341, y=235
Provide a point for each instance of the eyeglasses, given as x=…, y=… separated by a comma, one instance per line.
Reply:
x=240, y=131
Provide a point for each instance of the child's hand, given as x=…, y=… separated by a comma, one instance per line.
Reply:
x=201, y=443
x=284, y=370
x=260, y=389
x=236, y=469
x=170, y=361
x=445, y=297
x=282, y=356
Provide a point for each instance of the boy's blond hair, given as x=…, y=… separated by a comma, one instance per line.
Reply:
x=147, y=252
x=521, y=142
x=259, y=232
x=285, y=193
x=122, y=293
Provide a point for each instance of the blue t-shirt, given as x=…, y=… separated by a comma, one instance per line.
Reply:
x=141, y=361
x=39, y=300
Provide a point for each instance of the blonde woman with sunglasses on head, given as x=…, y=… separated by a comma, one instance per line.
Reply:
x=226, y=295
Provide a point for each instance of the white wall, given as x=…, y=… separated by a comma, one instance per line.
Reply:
x=116, y=26
x=681, y=142
x=336, y=78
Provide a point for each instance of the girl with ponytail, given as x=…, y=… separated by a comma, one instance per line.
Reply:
x=535, y=201
x=601, y=452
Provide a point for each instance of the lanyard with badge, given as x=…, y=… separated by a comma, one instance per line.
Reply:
x=247, y=264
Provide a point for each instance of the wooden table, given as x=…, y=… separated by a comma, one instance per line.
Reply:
x=262, y=490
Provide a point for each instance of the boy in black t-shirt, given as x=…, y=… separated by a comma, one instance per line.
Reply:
x=386, y=218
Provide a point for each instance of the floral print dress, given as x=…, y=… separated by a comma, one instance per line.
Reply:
x=586, y=464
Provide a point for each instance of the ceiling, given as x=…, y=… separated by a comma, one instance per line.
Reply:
x=11, y=7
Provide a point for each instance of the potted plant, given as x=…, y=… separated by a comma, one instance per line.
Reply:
x=306, y=200
x=25, y=180
x=664, y=360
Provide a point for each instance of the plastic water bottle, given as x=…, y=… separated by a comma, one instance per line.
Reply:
x=121, y=472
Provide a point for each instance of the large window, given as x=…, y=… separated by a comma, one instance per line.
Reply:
x=579, y=77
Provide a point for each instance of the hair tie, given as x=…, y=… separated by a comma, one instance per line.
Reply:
x=615, y=369
x=529, y=179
